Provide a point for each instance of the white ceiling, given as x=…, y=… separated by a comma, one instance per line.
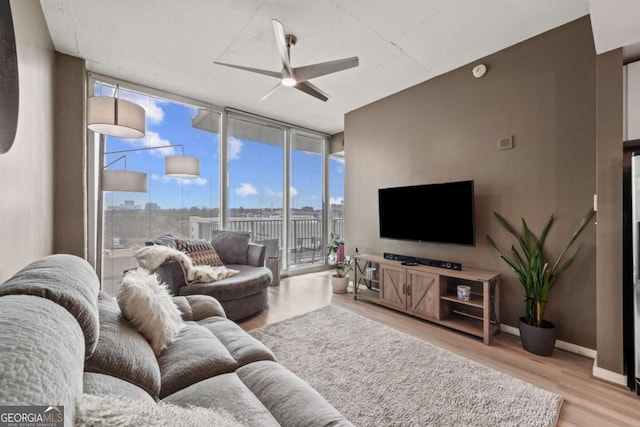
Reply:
x=171, y=45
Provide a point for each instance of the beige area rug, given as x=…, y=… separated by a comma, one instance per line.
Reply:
x=377, y=376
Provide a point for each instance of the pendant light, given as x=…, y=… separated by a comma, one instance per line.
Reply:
x=115, y=117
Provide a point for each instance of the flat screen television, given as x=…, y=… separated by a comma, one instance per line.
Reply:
x=437, y=213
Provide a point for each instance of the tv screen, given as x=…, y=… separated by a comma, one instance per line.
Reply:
x=438, y=213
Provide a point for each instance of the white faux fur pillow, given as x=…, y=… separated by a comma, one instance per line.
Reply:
x=115, y=411
x=148, y=305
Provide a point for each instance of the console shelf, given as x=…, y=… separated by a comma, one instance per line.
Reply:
x=430, y=293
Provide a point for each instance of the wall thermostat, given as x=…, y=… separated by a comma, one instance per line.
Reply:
x=479, y=70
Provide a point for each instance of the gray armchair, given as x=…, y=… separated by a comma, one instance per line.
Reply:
x=241, y=295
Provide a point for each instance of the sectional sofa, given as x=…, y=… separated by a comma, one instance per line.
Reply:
x=66, y=345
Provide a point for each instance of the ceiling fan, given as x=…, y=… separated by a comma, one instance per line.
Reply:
x=297, y=77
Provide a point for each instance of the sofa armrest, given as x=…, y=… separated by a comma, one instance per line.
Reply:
x=171, y=272
x=198, y=307
x=256, y=254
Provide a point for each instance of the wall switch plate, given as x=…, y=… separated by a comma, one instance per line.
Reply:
x=505, y=143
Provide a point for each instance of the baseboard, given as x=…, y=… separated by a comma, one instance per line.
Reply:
x=562, y=345
x=610, y=376
x=603, y=374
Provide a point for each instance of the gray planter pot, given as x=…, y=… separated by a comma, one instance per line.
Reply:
x=540, y=341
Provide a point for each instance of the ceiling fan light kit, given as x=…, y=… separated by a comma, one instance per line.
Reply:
x=297, y=77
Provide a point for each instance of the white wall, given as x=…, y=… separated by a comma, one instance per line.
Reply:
x=26, y=170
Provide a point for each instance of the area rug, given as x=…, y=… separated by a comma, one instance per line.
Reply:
x=377, y=376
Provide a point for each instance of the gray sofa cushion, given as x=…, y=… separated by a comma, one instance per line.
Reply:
x=67, y=280
x=41, y=354
x=291, y=401
x=225, y=392
x=232, y=246
x=195, y=355
x=101, y=384
x=198, y=307
x=122, y=351
x=243, y=347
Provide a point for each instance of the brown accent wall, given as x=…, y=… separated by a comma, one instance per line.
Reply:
x=26, y=170
x=69, y=156
x=543, y=93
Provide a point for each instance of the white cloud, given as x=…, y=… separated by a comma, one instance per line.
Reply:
x=193, y=181
x=336, y=200
x=185, y=181
x=153, y=139
x=235, y=147
x=246, y=189
x=153, y=111
x=293, y=192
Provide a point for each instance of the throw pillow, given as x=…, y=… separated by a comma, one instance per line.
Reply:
x=107, y=410
x=165, y=240
x=200, y=251
x=232, y=246
x=148, y=305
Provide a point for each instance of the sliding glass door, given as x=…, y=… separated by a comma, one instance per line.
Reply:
x=255, y=196
x=336, y=195
x=306, y=194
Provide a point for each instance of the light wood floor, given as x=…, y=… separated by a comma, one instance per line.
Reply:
x=588, y=400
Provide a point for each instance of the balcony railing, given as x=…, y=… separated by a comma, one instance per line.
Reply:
x=132, y=230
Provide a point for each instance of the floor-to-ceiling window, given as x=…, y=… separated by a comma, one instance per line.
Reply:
x=260, y=175
x=170, y=205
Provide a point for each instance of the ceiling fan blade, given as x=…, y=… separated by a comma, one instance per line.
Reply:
x=316, y=70
x=253, y=70
x=281, y=41
x=270, y=92
x=310, y=89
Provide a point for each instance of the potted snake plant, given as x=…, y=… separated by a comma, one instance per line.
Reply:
x=537, y=274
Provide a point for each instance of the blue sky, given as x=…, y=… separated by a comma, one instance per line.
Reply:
x=255, y=170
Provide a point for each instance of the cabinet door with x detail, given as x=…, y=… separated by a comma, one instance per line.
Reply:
x=393, y=287
x=423, y=294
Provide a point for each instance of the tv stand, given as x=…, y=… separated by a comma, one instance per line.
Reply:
x=430, y=293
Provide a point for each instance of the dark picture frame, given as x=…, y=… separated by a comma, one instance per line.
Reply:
x=9, y=85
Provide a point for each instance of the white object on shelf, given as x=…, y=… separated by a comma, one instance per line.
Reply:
x=464, y=292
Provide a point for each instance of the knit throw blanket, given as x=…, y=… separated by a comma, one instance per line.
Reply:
x=152, y=257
